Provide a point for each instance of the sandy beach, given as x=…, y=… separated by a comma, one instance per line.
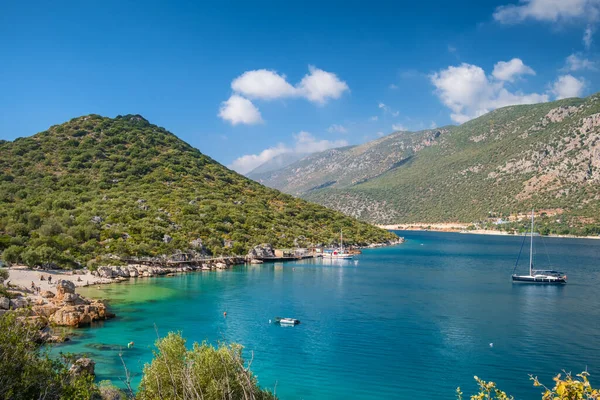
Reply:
x=23, y=276
x=459, y=227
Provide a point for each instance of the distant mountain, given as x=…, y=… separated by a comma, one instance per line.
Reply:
x=94, y=188
x=276, y=163
x=505, y=162
x=348, y=166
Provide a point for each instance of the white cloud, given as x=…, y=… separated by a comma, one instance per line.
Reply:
x=398, y=127
x=510, y=70
x=393, y=86
x=469, y=93
x=383, y=106
x=374, y=118
x=576, y=62
x=307, y=143
x=319, y=86
x=239, y=110
x=547, y=10
x=262, y=84
x=587, y=36
x=335, y=128
x=304, y=143
x=248, y=162
x=568, y=86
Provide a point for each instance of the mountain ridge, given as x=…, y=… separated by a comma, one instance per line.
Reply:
x=98, y=188
x=501, y=164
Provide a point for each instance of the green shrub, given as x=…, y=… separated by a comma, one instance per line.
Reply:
x=204, y=372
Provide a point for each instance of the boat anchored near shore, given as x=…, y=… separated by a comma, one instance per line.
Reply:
x=551, y=277
x=287, y=321
x=338, y=254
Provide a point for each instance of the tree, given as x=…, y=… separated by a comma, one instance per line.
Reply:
x=204, y=372
x=3, y=275
x=12, y=254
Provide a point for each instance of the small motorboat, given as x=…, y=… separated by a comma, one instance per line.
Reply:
x=286, y=321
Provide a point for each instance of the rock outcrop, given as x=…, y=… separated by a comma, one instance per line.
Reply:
x=63, y=288
x=4, y=303
x=264, y=250
x=83, y=366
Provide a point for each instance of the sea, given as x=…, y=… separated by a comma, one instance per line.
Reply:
x=412, y=321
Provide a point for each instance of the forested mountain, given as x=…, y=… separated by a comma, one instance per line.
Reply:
x=506, y=162
x=97, y=187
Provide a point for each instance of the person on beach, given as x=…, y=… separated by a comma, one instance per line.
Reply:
x=32, y=286
x=49, y=279
x=42, y=278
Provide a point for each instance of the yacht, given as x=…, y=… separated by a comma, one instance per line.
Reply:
x=536, y=275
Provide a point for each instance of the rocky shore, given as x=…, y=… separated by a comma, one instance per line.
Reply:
x=45, y=309
x=109, y=274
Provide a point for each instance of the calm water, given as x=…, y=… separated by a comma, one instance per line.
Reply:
x=407, y=322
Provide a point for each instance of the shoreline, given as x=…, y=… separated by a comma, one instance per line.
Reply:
x=461, y=228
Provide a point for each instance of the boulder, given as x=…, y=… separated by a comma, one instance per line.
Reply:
x=264, y=250
x=167, y=238
x=80, y=314
x=105, y=272
x=4, y=303
x=70, y=297
x=18, y=302
x=64, y=287
x=83, y=366
x=220, y=265
x=45, y=311
x=47, y=294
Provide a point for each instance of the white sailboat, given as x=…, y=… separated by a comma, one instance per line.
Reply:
x=338, y=254
x=537, y=276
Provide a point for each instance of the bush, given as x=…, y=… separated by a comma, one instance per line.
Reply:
x=26, y=371
x=203, y=372
x=569, y=388
x=3, y=275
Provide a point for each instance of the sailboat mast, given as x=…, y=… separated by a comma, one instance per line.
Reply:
x=341, y=242
x=531, y=247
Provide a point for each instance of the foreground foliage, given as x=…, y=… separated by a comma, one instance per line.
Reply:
x=26, y=371
x=204, y=372
x=569, y=388
x=95, y=187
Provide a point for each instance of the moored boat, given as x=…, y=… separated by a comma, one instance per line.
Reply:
x=286, y=321
x=537, y=276
x=338, y=254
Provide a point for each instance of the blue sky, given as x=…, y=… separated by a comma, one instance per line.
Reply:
x=246, y=81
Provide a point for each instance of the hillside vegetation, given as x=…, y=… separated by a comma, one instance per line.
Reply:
x=503, y=163
x=97, y=187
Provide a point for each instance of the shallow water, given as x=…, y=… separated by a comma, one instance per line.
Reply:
x=412, y=321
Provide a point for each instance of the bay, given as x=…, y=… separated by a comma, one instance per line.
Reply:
x=412, y=321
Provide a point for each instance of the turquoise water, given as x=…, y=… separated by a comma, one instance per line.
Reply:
x=407, y=322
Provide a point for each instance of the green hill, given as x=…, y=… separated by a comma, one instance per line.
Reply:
x=504, y=163
x=96, y=187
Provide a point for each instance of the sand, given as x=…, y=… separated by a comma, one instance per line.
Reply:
x=23, y=276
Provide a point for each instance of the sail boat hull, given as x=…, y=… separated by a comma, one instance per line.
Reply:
x=539, y=276
x=548, y=280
